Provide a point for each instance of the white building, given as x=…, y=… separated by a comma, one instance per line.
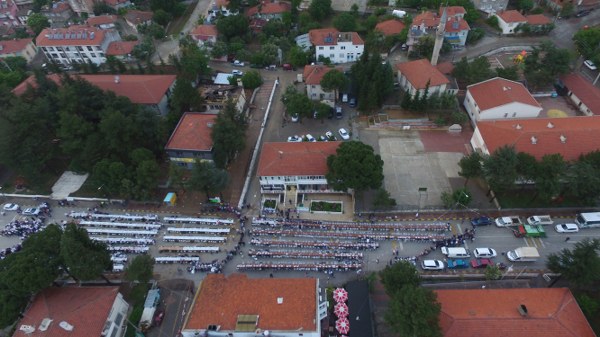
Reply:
x=76, y=44
x=583, y=94
x=338, y=47
x=499, y=98
x=420, y=75
x=312, y=77
x=490, y=7
x=510, y=20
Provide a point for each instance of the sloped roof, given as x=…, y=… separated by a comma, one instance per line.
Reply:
x=314, y=74
x=511, y=16
x=445, y=67
x=205, y=30
x=427, y=18
x=72, y=36
x=551, y=312
x=584, y=90
x=456, y=25
x=138, y=17
x=295, y=159
x=193, y=132
x=60, y=7
x=267, y=7
x=85, y=308
x=570, y=136
x=538, y=19
x=101, y=20
x=499, y=91
x=117, y=48
x=318, y=37
x=221, y=299
x=13, y=46
x=390, y=27
x=453, y=10
x=419, y=72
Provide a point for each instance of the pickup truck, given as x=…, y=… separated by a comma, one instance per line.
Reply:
x=544, y=220
x=457, y=264
x=506, y=221
x=523, y=254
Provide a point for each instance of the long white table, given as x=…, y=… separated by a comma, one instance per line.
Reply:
x=121, y=232
x=210, y=221
x=119, y=224
x=199, y=230
x=187, y=249
x=194, y=238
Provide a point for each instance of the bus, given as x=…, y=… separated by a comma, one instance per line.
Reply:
x=588, y=220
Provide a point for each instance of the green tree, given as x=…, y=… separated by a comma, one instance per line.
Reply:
x=582, y=180
x=500, y=169
x=176, y=176
x=320, y=9
x=374, y=81
x=550, y=173
x=147, y=174
x=208, y=179
x=233, y=26
x=414, y=311
x=297, y=57
x=527, y=167
x=322, y=110
x=37, y=22
x=470, y=166
x=355, y=165
x=161, y=17
x=383, y=199
x=252, y=80
x=144, y=50
x=228, y=135
x=492, y=272
x=580, y=265
x=545, y=63
x=140, y=269
x=399, y=275
x=185, y=98
x=296, y=104
x=85, y=259
x=587, y=42
x=524, y=6
x=345, y=22
x=567, y=9
x=509, y=73
x=334, y=80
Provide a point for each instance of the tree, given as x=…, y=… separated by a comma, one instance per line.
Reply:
x=355, y=165
x=399, y=275
x=374, y=81
x=472, y=72
x=161, y=17
x=567, y=10
x=176, y=176
x=233, y=26
x=414, y=311
x=334, y=80
x=228, y=135
x=492, y=272
x=582, y=181
x=470, y=166
x=192, y=63
x=550, y=172
x=320, y=9
x=383, y=199
x=581, y=265
x=252, y=80
x=345, y=22
x=140, y=269
x=524, y=6
x=297, y=57
x=509, y=73
x=144, y=50
x=587, y=42
x=85, y=259
x=527, y=167
x=296, y=104
x=500, y=169
x=37, y=22
x=545, y=63
x=208, y=178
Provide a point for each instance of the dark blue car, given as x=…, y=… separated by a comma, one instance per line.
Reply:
x=482, y=221
x=457, y=264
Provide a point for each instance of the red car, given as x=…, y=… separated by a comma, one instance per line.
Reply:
x=481, y=263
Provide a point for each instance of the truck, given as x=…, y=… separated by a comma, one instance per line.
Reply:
x=544, y=220
x=507, y=221
x=523, y=254
x=530, y=231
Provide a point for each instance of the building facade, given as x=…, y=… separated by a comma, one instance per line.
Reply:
x=20, y=47
x=509, y=21
x=76, y=44
x=339, y=47
x=191, y=140
x=420, y=75
x=312, y=76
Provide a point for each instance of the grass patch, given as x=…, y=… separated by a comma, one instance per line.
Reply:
x=270, y=203
x=136, y=296
x=325, y=206
x=177, y=24
x=528, y=199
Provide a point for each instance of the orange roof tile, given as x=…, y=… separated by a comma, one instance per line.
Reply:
x=138, y=17
x=390, y=27
x=512, y=16
x=579, y=135
x=13, y=46
x=317, y=36
x=85, y=308
x=222, y=3
x=314, y=74
x=551, y=312
x=60, y=7
x=456, y=25
x=538, y=19
x=499, y=91
x=269, y=8
x=419, y=72
x=453, y=10
x=584, y=90
x=101, y=20
x=116, y=48
x=429, y=19
x=78, y=36
x=221, y=299
x=445, y=67
x=193, y=132
x=295, y=159
x=204, y=30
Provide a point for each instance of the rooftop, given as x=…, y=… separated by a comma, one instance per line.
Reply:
x=427, y=18
x=117, y=48
x=538, y=19
x=511, y=16
x=456, y=25
x=138, y=17
x=205, y=30
x=267, y=7
x=390, y=27
x=498, y=91
x=453, y=11
x=331, y=37
x=420, y=72
x=101, y=20
x=282, y=304
x=72, y=36
x=193, y=132
x=295, y=159
x=584, y=90
x=570, y=136
x=13, y=46
x=314, y=74
x=85, y=308
x=551, y=312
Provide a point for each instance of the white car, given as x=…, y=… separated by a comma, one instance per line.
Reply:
x=567, y=228
x=295, y=118
x=31, y=211
x=294, y=139
x=310, y=138
x=590, y=64
x=238, y=63
x=236, y=72
x=432, y=265
x=484, y=252
x=10, y=207
x=344, y=134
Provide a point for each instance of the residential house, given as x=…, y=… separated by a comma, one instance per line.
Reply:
x=102, y=21
x=339, y=47
x=82, y=7
x=134, y=18
x=19, y=47
x=538, y=22
x=312, y=77
x=219, y=7
x=490, y=7
x=23, y=14
x=122, y=50
x=152, y=91
x=551, y=312
x=58, y=14
x=416, y=76
x=456, y=28
x=75, y=312
x=205, y=35
x=118, y=4
x=499, y=98
x=584, y=95
x=510, y=20
x=215, y=96
x=239, y=306
x=260, y=14
x=390, y=27
x=422, y=24
x=191, y=140
x=76, y=44
x=8, y=13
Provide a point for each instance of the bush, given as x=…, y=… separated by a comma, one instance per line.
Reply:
x=270, y=203
x=492, y=21
x=475, y=35
x=324, y=206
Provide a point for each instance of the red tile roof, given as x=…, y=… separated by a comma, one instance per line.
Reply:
x=222, y=3
x=584, y=90
x=551, y=312
x=101, y=20
x=13, y=46
x=269, y=8
x=445, y=67
x=138, y=17
x=204, y=31
x=193, y=132
x=85, y=308
x=118, y=48
x=512, y=16
x=499, y=91
x=390, y=27
x=453, y=10
x=314, y=74
x=429, y=19
x=457, y=25
x=318, y=37
x=295, y=159
x=115, y=2
x=140, y=89
x=60, y=7
x=78, y=36
x=579, y=135
x=221, y=299
x=538, y=19
x=419, y=72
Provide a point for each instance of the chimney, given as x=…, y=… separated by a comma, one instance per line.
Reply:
x=550, y=125
x=523, y=310
x=518, y=127
x=533, y=140
x=563, y=139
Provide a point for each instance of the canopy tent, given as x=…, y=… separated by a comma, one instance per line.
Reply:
x=170, y=199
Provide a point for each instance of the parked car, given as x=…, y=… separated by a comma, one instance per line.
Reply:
x=583, y=13
x=457, y=264
x=294, y=139
x=352, y=102
x=31, y=211
x=10, y=207
x=330, y=136
x=567, y=228
x=295, y=118
x=484, y=252
x=287, y=66
x=323, y=139
x=432, y=265
x=339, y=113
x=344, y=134
x=345, y=98
x=236, y=72
x=482, y=221
x=310, y=138
x=481, y=263
x=590, y=64
x=238, y=63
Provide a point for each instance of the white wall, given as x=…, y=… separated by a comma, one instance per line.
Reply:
x=579, y=104
x=341, y=53
x=511, y=111
x=507, y=28
x=315, y=92
x=477, y=142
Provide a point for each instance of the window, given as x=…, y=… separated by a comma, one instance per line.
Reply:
x=331, y=48
x=505, y=114
x=514, y=114
x=89, y=48
x=341, y=55
x=80, y=48
x=54, y=55
x=320, y=48
x=331, y=56
x=44, y=49
x=93, y=55
x=343, y=47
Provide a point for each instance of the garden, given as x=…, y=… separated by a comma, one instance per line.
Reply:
x=326, y=206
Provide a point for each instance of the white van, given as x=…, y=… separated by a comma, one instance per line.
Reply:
x=398, y=13
x=455, y=252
